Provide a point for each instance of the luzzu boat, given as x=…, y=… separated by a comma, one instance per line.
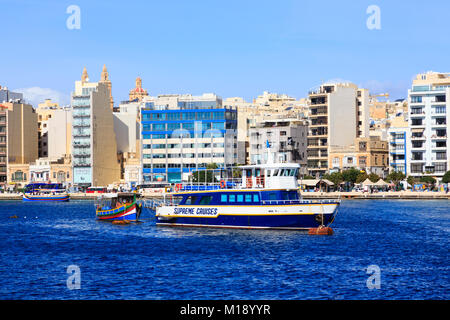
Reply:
x=118, y=207
x=51, y=192
x=266, y=197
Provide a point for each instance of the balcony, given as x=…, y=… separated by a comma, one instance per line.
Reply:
x=81, y=155
x=81, y=115
x=81, y=124
x=81, y=135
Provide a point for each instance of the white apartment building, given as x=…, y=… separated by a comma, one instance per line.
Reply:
x=429, y=100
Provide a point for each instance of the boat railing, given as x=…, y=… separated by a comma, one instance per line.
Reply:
x=223, y=183
x=155, y=203
x=297, y=201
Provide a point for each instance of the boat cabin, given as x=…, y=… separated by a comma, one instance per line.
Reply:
x=270, y=176
x=111, y=201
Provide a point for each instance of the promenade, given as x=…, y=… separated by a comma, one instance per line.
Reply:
x=401, y=195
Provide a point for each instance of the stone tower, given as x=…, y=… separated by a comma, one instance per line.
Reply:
x=104, y=78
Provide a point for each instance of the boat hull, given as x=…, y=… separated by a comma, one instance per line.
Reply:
x=295, y=217
x=128, y=212
x=52, y=198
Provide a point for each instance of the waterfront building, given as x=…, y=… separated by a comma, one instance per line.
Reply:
x=3, y=143
x=18, y=136
x=429, y=118
x=18, y=174
x=338, y=115
x=54, y=130
x=43, y=170
x=369, y=154
x=94, y=150
x=284, y=139
x=138, y=93
x=127, y=129
x=267, y=106
x=5, y=96
x=185, y=133
x=399, y=144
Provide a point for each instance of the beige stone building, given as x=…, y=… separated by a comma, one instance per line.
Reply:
x=54, y=130
x=369, y=154
x=339, y=113
x=43, y=170
x=94, y=151
x=22, y=132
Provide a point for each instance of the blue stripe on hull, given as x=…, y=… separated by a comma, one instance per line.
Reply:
x=46, y=199
x=274, y=221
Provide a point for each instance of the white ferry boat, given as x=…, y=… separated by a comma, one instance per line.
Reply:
x=265, y=197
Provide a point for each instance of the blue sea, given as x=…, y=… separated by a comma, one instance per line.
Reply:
x=405, y=242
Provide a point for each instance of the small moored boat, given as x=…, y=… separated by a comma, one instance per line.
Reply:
x=118, y=206
x=45, y=192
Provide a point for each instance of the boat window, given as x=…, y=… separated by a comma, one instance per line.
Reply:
x=285, y=195
x=190, y=200
x=255, y=198
x=292, y=172
x=275, y=173
x=240, y=198
x=272, y=196
x=205, y=200
x=293, y=195
x=232, y=198
x=248, y=198
x=286, y=172
x=224, y=198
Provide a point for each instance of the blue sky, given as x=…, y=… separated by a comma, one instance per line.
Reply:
x=232, y=48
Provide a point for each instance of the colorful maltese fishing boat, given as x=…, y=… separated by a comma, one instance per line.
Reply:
x=265, y=197
x=45, y=192
x=118, y=207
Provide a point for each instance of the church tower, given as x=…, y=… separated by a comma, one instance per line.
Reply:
x=138, y=93
x=84, y=76
x=104, y=78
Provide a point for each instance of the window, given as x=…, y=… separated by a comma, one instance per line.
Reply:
x=205, y=200
x=191, y=200
x=223, y=198
x=248, y=198
x=272, y=196
x=232, y=198
x=255, y=198
x=240, y=198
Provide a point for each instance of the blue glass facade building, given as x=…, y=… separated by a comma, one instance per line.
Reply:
x=184, y=136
